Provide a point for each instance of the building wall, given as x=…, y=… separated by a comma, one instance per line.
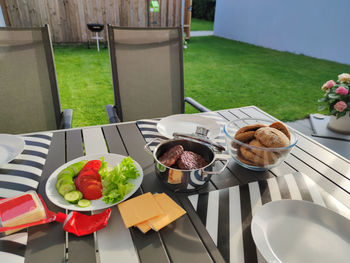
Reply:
x=317, y=28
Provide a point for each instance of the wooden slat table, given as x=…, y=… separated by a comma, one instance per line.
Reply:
x=185, y=239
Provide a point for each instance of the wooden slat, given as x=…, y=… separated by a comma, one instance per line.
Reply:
x=85, y=243
x=124, y=12
x=74, y=26
x=94, y=141
x=178, y=13
x=48, y=241
x=142, y=14
x=11, y=11
x=80, y=6
x=63, y=20
x=164, y=13
x=114, y=241
x=319, y=179
x=133, y=13
x=110, y=17
x=180, y=238
x=99, y=18
x=104, y=18
x=43, y=12
x=322, y=168
x=207, y=240
x=148, y=246
x=114, y=141
x=54, y=20
x=34, y=16
x=117, y=18
x=5, y=12
x=92, y=11
x=24, y=12
x=87, y=16
x=170, y=12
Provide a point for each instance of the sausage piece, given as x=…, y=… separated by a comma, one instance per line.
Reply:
x=170, y=157
x=190, y=160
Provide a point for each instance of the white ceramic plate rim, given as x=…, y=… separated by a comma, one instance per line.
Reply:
x=167, y=126
x=260, y=236
x=13, y=144
x=112, y=160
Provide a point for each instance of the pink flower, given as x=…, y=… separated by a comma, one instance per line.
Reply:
x=341, y=90
x=328, y=85
x=340, y=106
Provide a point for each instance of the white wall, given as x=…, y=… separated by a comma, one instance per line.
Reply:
x=317, y=28
x=2, y=21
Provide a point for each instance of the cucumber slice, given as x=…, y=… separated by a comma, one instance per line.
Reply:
x=73, y=197
x=76, y=167
x=84, y=203
x=63, y=180
x=67, y=171
x=66, y=188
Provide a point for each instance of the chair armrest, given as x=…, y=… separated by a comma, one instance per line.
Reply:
x=196, y=105
x=112, y=114
x=66, y=120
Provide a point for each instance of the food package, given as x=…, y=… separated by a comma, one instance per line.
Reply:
x=29, y=209
x=21, y=210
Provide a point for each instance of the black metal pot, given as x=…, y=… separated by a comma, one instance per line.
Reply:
x=185, y=180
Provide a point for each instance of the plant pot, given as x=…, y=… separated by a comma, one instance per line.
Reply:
x=341, y=125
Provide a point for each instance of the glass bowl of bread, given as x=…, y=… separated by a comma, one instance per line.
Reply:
x=258, y=144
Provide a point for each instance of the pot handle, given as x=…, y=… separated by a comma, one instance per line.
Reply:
x=217, y=172
x=147, y=146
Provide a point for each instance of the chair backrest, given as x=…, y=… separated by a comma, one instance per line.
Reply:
x=29, y=99
x=147, y=71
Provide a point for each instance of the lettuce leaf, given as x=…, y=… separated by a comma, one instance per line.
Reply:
x=115, y=181
x=129, y=170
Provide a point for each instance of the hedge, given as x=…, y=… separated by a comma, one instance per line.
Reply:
x=203, y=9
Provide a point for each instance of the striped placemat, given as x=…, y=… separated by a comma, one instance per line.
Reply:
x=148, y=128
x=227, y=213
x=20, y=175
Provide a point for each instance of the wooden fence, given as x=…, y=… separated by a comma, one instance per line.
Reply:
x=68, y=18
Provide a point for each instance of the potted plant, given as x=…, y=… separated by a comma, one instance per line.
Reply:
x=337, y=99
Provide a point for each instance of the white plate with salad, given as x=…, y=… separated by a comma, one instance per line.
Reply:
x=117, y=170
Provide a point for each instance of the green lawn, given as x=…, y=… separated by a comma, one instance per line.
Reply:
x=85, y=83
x=219, y=73
x=201, y=25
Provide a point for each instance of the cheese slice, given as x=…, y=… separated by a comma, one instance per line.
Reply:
x=172, y=211
x=139, y=209
x=143, y=227
x=175, y=176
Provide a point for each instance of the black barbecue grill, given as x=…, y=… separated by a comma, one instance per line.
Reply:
x=96, y=28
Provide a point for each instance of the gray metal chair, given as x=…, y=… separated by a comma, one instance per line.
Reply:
x=147, y=72
x=29, y=99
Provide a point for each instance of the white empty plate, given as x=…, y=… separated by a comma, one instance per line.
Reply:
x=10, y=147
x=300, y=231
x=187, y=124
